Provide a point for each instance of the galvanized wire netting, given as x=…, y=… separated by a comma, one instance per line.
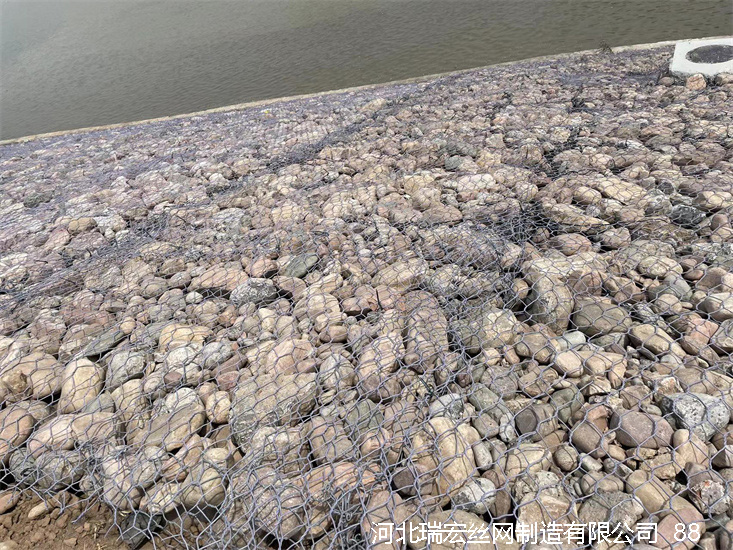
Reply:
x=425, y=315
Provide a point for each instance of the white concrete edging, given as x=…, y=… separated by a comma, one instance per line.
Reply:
x=682, y=66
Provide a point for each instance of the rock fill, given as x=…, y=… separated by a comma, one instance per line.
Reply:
x=503, y=296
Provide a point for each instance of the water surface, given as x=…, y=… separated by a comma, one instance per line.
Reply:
x=69, y=64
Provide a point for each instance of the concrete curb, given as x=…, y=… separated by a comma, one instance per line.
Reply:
x=413, y=80
x=683, y=67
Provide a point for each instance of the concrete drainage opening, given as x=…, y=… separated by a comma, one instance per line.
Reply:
x=716, y=53
x=709, y=57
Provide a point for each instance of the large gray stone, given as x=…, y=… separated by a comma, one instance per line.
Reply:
x=124, y=366
x=698, y=412
x=270, y=401
x=300, y=265
x=258, y=291
x=595, y=316
x=640, y=429
x=475, y=496
x=486, y=328
x=550, y=301
x=617, y=508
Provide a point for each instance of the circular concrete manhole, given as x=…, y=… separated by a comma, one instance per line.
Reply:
x=716, y=53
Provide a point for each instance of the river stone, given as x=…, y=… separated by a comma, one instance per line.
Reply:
x=362, y=417
x=586, y=437
x=130, y=400
x=723, y=337
x=651, y=491
x=16, y=425
x=486, y=401
x=319, y=307
x=175, y=335
x=617, y=508
x=670, y=525
x=181, y=415
x=426, y=337
x=566, y=457
x=450, y=405
x=218, y=278
x=402, y=275
x=700, y=413
x=672, y=285
x=58, y=470
x=162, y=498
x=526, y=458
x=384, y=507
x=571, y=243
x=276, y=505
x=544, y=509
x=688, y=447
x=686, y=216
x=639, y=429
x=104, y=342
x=718, y=306
x=328, y=440
x=41, y=371
x=567, y=401
x=182, y=358
x=8, y=500
x=83, y=380
x=568, y=363
x=550, y=301
x=482, y=455
x=475, y=497
x=486, y=328
x=22, y=466
x=537, y=346
x=258, y=291
x=40, y=410
x=600, y=482
x=205, y=486
x=485, y=425
x=538, y=420
x=299, y=266
x=147, y=464
x=102, y=403
x=123, y=366
x=595, y=316
x=328, y=483
x=377, y=361
x=54, y=434
x=215, y=353
x=290, y=356
x=415, y=478
x=125, y=475
x=658, y=267
x=654, y=339
x=268, y=401
x=444, y=446
x=217, y=407
x=95, y=427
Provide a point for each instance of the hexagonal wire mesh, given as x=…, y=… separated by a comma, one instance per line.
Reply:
x=484, y=302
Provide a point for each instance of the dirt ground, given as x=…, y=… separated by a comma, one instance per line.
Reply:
x=59, y=531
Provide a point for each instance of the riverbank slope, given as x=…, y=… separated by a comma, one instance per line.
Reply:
x=496, y=295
